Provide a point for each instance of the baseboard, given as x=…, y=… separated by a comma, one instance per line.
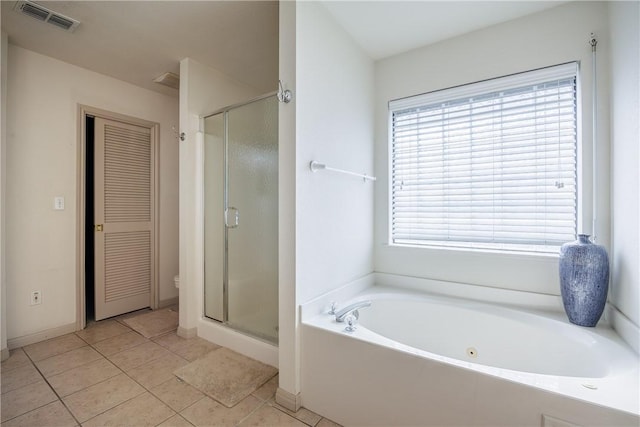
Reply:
x=18, y=342
x=168, y=302
x=290, y=401
x=187, y=333
x=5, y=354
x=254, y=348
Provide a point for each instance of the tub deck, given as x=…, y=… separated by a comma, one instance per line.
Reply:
x=367, y=378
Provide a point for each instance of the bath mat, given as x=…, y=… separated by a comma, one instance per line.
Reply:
x=154, y=323
x=226, y=376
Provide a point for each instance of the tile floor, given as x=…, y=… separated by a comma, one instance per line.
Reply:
x=109, y=374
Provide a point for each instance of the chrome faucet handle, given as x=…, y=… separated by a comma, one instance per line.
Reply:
x=333, y=308
x=342, y=314
x=351, y=321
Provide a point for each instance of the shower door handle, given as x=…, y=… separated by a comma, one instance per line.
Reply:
x=236, y=217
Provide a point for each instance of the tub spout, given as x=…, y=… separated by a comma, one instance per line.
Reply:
x=351, y=309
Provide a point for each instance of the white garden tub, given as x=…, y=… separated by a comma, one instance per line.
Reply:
x=418, y=359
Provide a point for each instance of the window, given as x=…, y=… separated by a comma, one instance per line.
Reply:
x=489, y=165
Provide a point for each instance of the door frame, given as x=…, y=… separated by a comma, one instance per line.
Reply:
x=83, y=112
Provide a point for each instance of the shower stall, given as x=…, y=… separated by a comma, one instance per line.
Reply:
x=241, y=217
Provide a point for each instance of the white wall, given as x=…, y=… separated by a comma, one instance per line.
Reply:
x=550, y=37
x=326, y=220
x=624, y=21
x=334, y=125
x=43, y=98
x=289, y=338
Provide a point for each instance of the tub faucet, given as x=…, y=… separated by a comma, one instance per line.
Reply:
x=351, y=309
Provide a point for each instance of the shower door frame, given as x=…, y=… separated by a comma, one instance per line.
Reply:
x=225, y=264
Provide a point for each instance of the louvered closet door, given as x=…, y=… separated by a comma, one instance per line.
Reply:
x=124, y=207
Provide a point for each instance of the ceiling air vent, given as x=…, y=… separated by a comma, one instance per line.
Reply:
x=43, y=14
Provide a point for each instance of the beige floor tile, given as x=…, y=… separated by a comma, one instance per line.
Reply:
x=176, y=421
x=102, y=330
x=158, y=371
x=170, y=340
x=52, y=415
x=54, y=346
x=190, y=349
x=196, y=348
x=208, y=412
x=327, y=423
x=269, y=416
x=119, y=343
x=26, y=399
x=267, y=390
x=131, y=314
x=16, y=358
x=155, y=323
x=83, y=376
x=142, y=410
x=139, y=355
x=20, y=377
x=177, y=394
x=63, y=362
x=306, y=416
x=86, y=404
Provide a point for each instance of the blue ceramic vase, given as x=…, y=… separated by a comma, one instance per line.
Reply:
x=584, y=280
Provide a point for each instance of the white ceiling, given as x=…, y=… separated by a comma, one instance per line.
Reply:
x=386, y=28
x=136, y=41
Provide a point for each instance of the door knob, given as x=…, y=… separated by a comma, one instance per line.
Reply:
x=98, y=227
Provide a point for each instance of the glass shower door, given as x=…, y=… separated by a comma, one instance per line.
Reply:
x=214, y=228
x=251, y=218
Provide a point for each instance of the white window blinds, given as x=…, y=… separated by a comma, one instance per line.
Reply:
x=488, y=165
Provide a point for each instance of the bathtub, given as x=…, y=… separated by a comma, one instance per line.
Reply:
x=424, y=359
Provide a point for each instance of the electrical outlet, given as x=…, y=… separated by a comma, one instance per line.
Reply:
x=36, y=297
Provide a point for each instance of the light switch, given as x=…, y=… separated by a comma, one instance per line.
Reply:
x=58, y=203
